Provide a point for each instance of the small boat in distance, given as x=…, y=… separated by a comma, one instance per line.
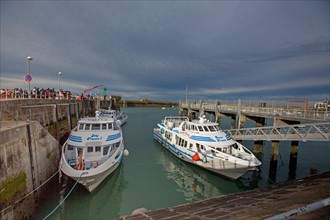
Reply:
x=93, y=151
x=204, y=144
x=111, y=112
x=120, y=117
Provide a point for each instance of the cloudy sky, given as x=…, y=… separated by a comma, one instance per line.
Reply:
x=156, y=49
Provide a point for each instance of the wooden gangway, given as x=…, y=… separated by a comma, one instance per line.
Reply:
x=299, y=132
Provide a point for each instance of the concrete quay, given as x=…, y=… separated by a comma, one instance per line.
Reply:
x=260, y=203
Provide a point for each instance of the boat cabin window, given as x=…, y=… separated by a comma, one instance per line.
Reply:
x=110, y=126
x=217, y=127
x=235, y=146
x=195, y=128
x=200, y=128
x=181, y=142
x=81, y=126
x=198, y=148
x=70, y=147
x=184, y=127
x=190, y=145
x=117, y=144
x=87, y=126
x=168, y=135
x=205, y=128
x=106, y=150
x=90, y=149
x=104, y=126
x=98, y=149
x=96, y=126
x=212, y=128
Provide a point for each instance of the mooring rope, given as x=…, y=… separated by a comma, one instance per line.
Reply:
x=13, y=205
x=64, y=198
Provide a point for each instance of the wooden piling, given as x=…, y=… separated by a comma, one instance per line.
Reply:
x=293, y=159
x=273, y=160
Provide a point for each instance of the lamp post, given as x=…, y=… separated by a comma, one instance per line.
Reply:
x=28, y=66
x=59, y=83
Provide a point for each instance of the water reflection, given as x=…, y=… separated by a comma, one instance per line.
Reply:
x=106, y=200
x=194, y=182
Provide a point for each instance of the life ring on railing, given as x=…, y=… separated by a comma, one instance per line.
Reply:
x=94, y=164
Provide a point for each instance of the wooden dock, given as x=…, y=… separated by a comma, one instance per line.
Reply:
x=259, y=203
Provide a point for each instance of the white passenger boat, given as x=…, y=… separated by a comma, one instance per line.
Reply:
x=93, y=150
x=120, y=117
x=203, y=143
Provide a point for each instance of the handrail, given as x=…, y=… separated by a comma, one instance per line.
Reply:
x=299, y=132
x=274, y=111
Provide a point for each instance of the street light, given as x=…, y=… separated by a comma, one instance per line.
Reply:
x=28, y=66
x=59, y=83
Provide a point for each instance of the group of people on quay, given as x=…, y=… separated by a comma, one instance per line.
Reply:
x=40, y=93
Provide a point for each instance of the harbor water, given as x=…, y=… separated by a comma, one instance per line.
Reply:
x=151, y=177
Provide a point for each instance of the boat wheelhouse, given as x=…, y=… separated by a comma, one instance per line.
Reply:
x=93, y=150
x=204, y=144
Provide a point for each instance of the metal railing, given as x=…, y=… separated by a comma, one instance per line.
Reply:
x=295, y=112
x=300, y=132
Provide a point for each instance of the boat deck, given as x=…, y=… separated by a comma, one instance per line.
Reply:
x=259, y=203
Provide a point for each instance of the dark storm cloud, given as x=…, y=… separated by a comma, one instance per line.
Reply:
x=152, y=50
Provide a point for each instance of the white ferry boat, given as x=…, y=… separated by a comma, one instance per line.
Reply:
x=203, y=143
x=120, y=117
x=93, y=150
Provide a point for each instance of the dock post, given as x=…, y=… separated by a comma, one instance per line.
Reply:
x=238, y=114
x=293, y=159
x=258, y=145
x=258, y=149
x=273, y=160
x=201, y=108
x=232, y=122
x=217, y=117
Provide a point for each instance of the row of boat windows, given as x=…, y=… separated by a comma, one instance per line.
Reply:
x=96, y=149
x=204, y=128
x=183, y=143
x=83, y=126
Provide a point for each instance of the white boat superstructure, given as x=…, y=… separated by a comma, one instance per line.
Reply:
x=93, y=150
x=203, y=143
x=120, y=117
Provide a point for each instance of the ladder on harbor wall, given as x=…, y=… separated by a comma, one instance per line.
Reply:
x=300, y=132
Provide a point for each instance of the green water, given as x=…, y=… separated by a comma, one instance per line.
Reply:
x=151, y=177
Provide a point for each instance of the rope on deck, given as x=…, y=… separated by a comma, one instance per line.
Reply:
x=18, y=201
x=64, y=198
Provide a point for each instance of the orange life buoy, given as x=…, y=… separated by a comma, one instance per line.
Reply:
x=195, y=157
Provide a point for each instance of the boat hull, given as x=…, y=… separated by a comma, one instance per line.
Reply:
x=93, y=181
x=92, y=178
x=222, y=167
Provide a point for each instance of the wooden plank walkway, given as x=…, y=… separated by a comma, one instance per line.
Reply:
x=259, y=203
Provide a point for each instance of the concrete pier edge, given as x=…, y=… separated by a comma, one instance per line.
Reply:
x=259, y=203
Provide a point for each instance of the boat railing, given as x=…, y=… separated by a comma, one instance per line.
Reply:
x=178, y=118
